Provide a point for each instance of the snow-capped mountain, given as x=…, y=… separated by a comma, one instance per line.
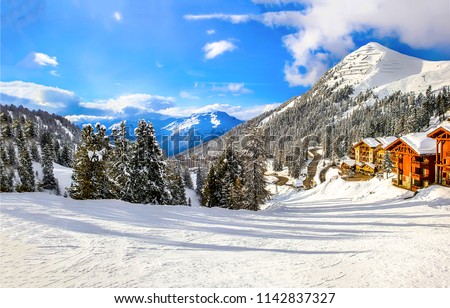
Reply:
x=184, y=133
x=372, y=92
x=179, y=134
x=385, y=71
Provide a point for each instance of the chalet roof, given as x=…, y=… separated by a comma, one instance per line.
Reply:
x=370, y=165
x=349, y=162
x=360, y=164
x=371, y=142
x=420, y=143
x=385, y=141
x=445, y=126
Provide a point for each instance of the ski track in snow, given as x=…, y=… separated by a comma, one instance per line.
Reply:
x=308, y=239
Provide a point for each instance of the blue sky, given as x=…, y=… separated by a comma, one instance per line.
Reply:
x=175, y=57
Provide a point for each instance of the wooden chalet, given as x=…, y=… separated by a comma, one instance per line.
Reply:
x=442, y=168
x=365, y=150
x=415, y=156
x=348, y=165
x=369, y=168
x=381, y=150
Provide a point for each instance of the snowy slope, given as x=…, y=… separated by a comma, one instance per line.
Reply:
x=339, y=234
x=386, y=71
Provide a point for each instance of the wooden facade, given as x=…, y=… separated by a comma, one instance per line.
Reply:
x=415, y=168
x=442, y=167
x=365, y=152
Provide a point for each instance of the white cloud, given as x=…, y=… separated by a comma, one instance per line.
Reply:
x=236, y=19
x=54, y=73
x=87, y=118
x=37, y=60
x=210, y=31
x=323, y=30
x=35, y=96
x=117, y=16
x=159, y=65
x=232, y=87
x=215, y=49
x=142, y=102
x=243, y=113
x=187, y=95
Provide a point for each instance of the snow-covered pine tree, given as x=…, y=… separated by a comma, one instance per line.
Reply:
x=66, y=156
x=6, y=182
x=387, y=164
x=48, y=178
x=187, y=178
x=25, y=168
x=119, y=171
x=199, y=181
x=148, y=179
x=176, y=184
x=211, y=190
x=254, y=168
x=89, y=177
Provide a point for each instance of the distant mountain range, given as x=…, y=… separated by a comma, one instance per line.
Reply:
x=179, y=134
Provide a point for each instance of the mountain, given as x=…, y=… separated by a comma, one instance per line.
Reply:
x=384, y=71
x=372, y=92
x=179, y=134
x=184, y=133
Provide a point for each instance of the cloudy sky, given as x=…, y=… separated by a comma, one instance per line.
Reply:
x=111, y=58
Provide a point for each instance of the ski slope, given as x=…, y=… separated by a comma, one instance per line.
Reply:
x=339, y=234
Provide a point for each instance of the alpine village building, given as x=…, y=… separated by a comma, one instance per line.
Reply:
x=442, y=167
x=420, y=159
x=415, y=156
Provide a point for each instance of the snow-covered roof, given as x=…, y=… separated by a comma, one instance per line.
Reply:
x=349, y=162
x=445, y=125
x=360, y=164
x=373, y=166
x=385, y=141
x=371, y=142
x=420, y=143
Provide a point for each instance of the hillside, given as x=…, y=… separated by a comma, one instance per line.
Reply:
x=372, y=92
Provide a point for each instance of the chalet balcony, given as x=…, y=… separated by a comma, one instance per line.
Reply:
x=416, y=176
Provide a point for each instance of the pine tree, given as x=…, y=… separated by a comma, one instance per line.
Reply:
x=48, y=178
x=176, y=184
x=25, y=168
x=6, y=182
x=255, y=160
x=89, y=177
x=148, y=180
x=35, y=152
x=388, y=164
x=66, y=156
x=119, y=172
x=187, y=178
x=211, y=196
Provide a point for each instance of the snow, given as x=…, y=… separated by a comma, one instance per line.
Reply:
x=338, y=234
x=373, y=166
x=386, y=71
x=371, y=142
x=420, y=143
x=289, y=104
x=349, y=162
x=385, y=141
x=214, y=120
